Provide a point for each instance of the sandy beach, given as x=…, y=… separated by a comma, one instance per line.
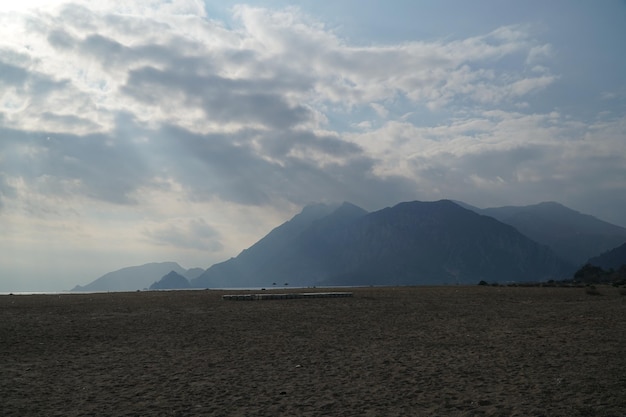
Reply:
x=415, y=351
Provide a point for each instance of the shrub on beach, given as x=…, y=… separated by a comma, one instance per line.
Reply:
x=591, y=274
x=592, y=290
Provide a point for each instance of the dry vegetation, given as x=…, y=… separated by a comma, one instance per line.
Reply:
x=384, y=352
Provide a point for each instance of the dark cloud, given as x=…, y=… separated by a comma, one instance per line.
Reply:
x=112, y=167
x=61, y=39
x=279, y=144
x=105, y=48
x=353, y=180
x=109, y=52
x=231, y=167
x=32, y=86
x=223, y=100
x=104, y=167
x=12, y=75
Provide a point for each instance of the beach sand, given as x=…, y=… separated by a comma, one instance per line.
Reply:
x=415, y=351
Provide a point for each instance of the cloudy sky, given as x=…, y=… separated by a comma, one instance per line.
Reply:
x=152, y=130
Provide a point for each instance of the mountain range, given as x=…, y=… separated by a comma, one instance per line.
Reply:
x=136, y=277
x=173, y=280
x=573, y=236
x=411, y=243
x=613, y=259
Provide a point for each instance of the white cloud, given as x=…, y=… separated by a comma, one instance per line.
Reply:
x=278, y=69
x=380, y=110
x=498, y=153
x=538, y=54
x=528, y=85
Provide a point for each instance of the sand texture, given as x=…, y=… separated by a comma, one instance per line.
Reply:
x=435, y=351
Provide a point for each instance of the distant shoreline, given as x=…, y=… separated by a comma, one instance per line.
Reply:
x=557, y=284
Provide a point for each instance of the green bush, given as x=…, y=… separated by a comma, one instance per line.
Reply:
x=592, y=290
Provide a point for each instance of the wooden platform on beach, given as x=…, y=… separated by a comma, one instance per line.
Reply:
x=285, y=296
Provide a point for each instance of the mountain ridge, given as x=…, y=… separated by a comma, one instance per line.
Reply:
x=172, y=280
x=259, y=260
x=343, y=244
x=572, y=235
x=411, y=243
x=434, y=240
x=612, y=259
x=131, y=278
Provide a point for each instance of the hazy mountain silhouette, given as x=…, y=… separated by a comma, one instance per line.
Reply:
x=131, y=278
x=436, y=243
x=410, y=243
x=276, y=257
x=573, y=236
x=612, y=259
x=171, y=281
x=192, y=273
